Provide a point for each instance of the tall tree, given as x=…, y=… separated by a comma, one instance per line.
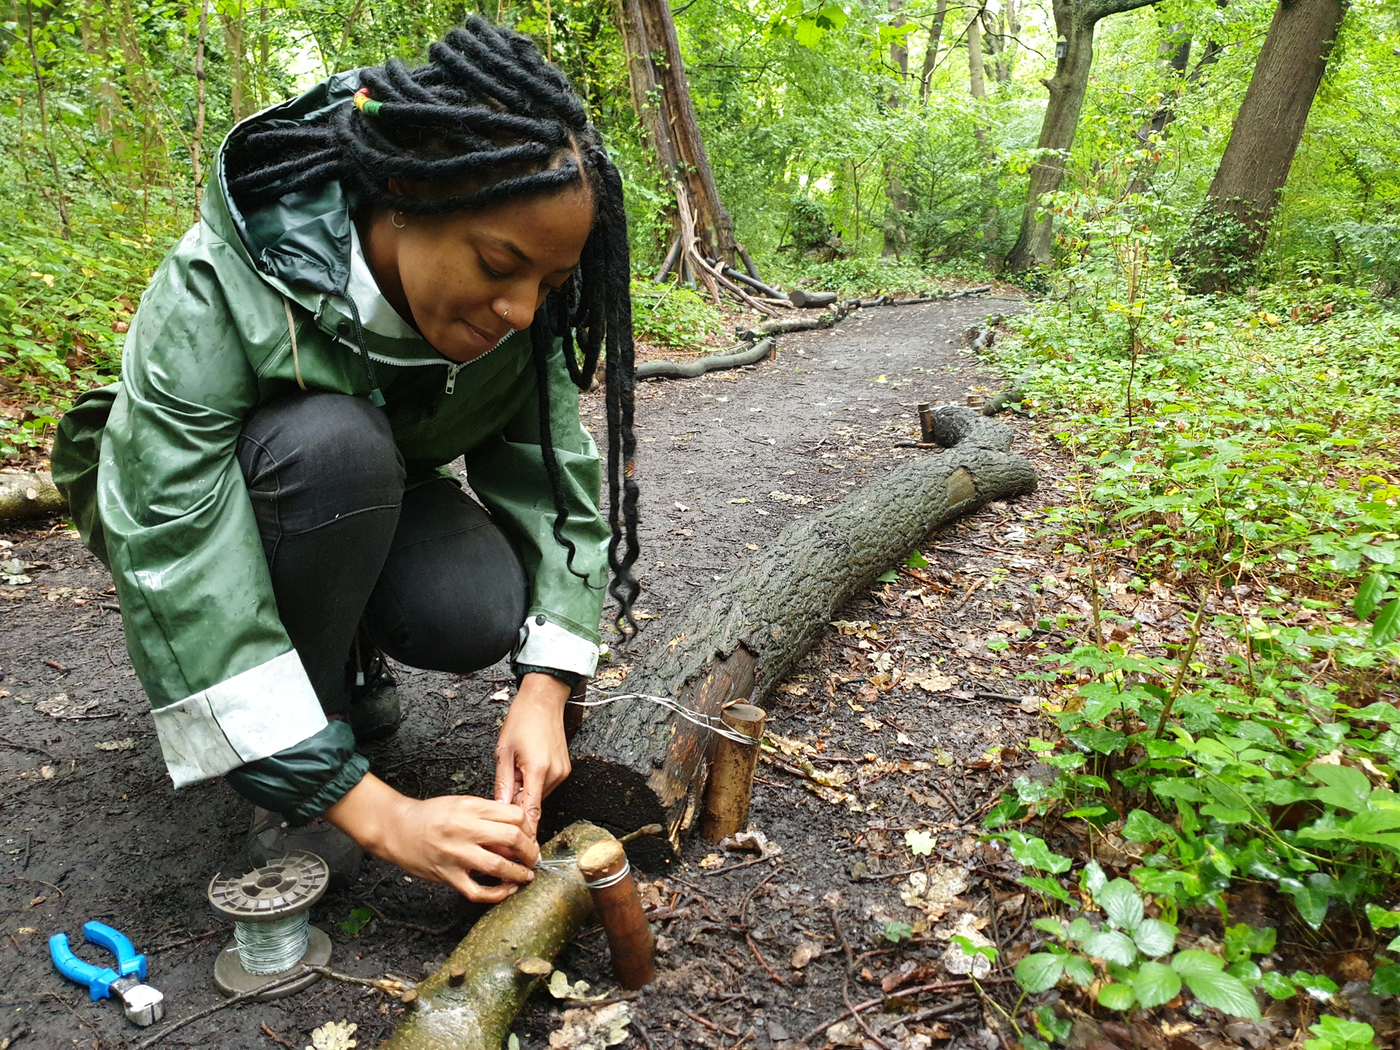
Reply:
x=1231, y=227
x=661, y=98
x=1074, y=55
x=931, y=52
x=895, y=235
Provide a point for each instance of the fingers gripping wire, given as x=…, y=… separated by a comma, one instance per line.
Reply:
x=699, y=718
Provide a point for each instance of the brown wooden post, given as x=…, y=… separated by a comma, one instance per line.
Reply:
x=731, y=774
x=609, y=877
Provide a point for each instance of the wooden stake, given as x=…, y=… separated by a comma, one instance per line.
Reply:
x=731, y=774
x=926, y=423
x=604, y=867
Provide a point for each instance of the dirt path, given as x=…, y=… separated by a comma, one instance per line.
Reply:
x=896, y=711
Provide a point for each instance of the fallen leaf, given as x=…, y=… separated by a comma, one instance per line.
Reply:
x=788, y=497
x=744, y=499
x=37, y=901
x=872, y=724
x=125, y=744
x=712, y=861
x=920, y=842
x=61, y=707
x=46, y=772
x=956, y=961
x=500, y=696
x=934, y=683
x=334, y=1035
x=591, y=1028
x=805, y=953
x=752, y=840
x=562, y=988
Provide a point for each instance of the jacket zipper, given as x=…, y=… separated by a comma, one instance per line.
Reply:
x=452, y=371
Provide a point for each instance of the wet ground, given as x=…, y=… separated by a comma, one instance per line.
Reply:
x=895, y=735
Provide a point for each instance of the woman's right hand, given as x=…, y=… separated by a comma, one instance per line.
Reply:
x=443, y=839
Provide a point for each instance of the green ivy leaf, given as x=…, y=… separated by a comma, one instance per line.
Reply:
x=1142, y=826
x=1092, y=878
x=1155, y=984
x=1050, y=887
x=1117, y=996
x=1031, y=852
x=1039, y=972
x=1278, y=986
x=1380, y=918
x=1386, y=981
x=1121, y=903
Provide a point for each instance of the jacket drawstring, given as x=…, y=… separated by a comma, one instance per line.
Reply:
x=375, y=395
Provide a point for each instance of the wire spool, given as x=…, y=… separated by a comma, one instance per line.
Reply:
x=272, y=933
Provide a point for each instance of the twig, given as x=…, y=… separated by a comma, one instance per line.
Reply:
x=846, y=997
x=241, y=997
x=841, y=936
x=748, y=897
x=941, y=986
x=41, y=882
x=980, y=694
x=761, y=960
x=734, y=867
x=711, y=1025
x=16, y=745
x=274, y=1036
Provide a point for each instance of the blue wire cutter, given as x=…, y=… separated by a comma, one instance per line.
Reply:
x=141, y=1003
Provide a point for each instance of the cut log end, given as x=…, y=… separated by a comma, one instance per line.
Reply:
x=602, y=860
x=25, y=495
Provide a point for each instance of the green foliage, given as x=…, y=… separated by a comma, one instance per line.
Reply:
x=1332, y=1033
x=671, y=314
x=1137, y=955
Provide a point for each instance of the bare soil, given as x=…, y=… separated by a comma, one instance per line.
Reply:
x=911, y=721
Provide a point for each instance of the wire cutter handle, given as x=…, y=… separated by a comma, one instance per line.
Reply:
x=97, y=979
x=104, y=936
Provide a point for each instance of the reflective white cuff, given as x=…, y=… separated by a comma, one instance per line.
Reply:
x=252, y=715
x=546, y=644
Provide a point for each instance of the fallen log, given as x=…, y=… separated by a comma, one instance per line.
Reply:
x=634, y=763
x=472, y=1000
x=26, y=495
x=755, y=283
x=784, y=325
x=701, y=365
x=805, y=300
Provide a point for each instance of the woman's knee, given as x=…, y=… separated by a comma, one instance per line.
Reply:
x=453, y=594
x=332, y=452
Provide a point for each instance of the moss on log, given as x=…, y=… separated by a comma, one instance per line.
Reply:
x=635, y=764
x=474, y=998
x=24, y=495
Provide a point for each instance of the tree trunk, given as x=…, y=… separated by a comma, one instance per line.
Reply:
x=634, y=763
x=235, y=52
x=935, y=34
x=895, y=236
x=977, y=76
x=197, y=140
x=1074, y=23
x=60, y=205
x=661, y=97
x=1230, y=230
x=473, y=999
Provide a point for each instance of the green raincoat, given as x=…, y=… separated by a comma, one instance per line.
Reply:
x=245, y=309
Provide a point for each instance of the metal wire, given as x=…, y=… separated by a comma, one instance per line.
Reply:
x=699, y=718
x=272, y=947
x=613, y=879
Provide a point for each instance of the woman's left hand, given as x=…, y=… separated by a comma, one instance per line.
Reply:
x=532, y=754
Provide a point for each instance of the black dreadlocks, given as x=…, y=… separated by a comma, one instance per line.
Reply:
x=489, y=114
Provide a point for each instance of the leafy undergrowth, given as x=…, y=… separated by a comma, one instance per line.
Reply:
x=1223, y=717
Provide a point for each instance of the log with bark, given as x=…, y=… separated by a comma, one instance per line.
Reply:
x=784, y=325
x=26, y=495
x=690, y=369
x=472, y=1000
x=635, y=764
x=810, y=300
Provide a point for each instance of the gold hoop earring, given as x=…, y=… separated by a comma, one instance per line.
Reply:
x=395, y=220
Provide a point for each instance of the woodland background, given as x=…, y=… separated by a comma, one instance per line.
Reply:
x=1214, y=340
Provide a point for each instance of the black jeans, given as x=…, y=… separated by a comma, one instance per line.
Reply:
x=433, y=579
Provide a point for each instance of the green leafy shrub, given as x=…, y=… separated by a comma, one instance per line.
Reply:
x=671, y=315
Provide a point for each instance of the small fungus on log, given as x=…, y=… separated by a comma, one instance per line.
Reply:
x=609, y=877
x=638, y=764
x=731, y=774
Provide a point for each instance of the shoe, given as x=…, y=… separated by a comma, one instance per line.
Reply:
x=375, y=708
x=271, y=838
